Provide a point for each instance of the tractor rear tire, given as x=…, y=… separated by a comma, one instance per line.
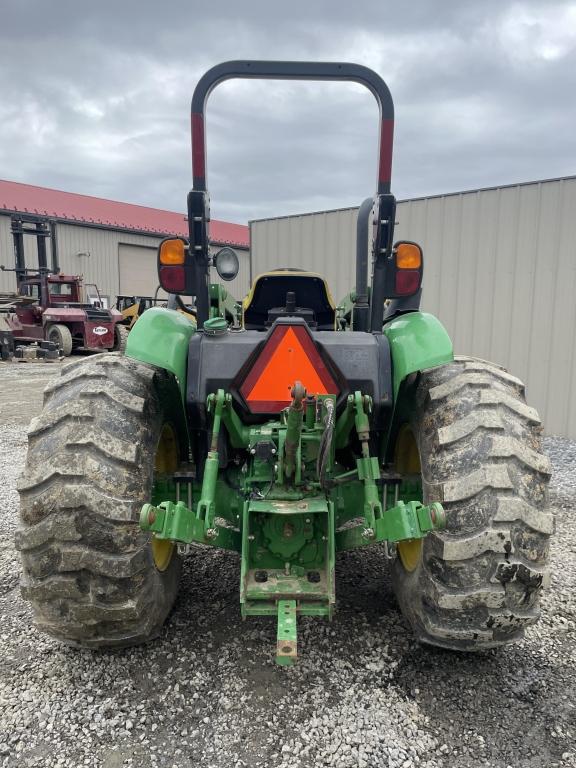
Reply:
x=90, y=573
x=120, y=338
x=60, y=335
x=476, y=584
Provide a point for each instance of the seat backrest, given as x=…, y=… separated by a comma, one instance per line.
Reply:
x=269, y=292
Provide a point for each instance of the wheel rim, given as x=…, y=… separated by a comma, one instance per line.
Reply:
x=165, y=463
x=407, y=461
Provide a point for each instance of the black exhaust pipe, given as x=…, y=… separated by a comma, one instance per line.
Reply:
x=361, y=312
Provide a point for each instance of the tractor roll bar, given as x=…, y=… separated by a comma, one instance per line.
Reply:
x=292, y=70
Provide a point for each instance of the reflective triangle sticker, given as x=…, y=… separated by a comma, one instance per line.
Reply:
x=288, y=356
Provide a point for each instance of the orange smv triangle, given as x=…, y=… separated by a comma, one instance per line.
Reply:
x=289, y=363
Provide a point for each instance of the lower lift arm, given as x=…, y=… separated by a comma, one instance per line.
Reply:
x=174, y=521
x=405, y=520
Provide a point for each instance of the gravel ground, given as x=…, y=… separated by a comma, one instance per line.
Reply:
x=207, y=693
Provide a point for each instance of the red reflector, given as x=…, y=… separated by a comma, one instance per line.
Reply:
x=289, y=355
x=407, y=281
x=172, y=279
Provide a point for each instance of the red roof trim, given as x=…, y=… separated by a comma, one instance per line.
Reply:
x=68, y=206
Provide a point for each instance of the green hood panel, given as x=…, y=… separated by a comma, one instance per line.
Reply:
x=417, y=341
x=161, y=337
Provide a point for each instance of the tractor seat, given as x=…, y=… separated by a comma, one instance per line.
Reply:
x=289, y=293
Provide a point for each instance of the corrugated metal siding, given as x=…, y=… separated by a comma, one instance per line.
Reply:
x=138, y=272
x=500, y=273
x=102, y=265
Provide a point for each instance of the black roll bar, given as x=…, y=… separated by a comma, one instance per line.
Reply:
x=292, y=70
x=198, y=259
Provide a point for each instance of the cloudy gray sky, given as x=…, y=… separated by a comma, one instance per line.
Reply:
x=95, y=98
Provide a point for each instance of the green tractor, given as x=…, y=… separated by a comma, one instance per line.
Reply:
x=297, y=432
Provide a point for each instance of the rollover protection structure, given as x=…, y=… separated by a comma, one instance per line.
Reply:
x=287, y=429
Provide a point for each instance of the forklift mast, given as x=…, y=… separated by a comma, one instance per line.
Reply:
x=43, y=230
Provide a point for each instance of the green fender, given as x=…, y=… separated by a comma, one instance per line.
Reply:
x=417, y=341
x=161, y=337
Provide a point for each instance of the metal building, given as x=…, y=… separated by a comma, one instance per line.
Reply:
x=499, y=271
x=111, y=244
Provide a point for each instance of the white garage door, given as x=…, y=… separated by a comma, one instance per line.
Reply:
x=137, y=269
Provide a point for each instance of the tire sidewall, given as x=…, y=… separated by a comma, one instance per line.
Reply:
x=98, y=492
x=120, y=338
x=62, y=338
x=477, y=582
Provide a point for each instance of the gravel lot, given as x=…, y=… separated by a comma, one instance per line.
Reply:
x=207, y=693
